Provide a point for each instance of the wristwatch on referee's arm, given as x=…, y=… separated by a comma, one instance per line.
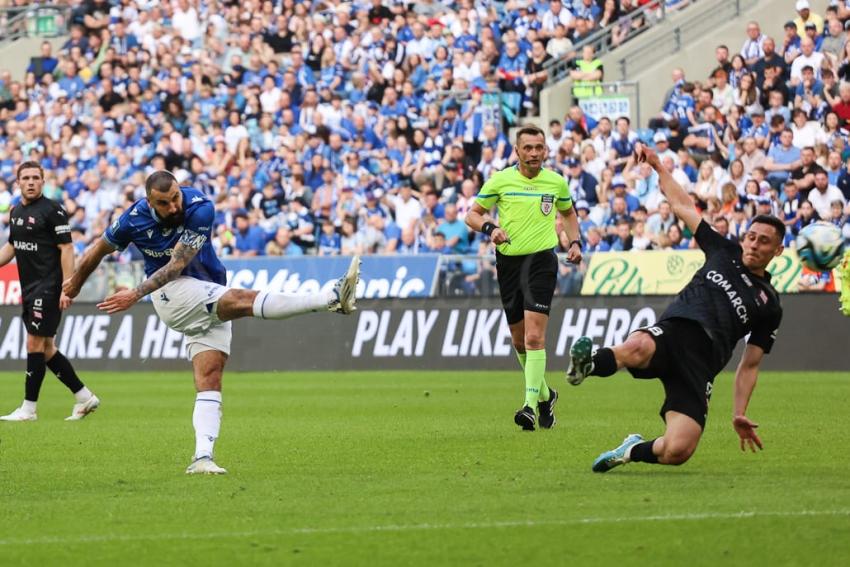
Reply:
x=574, y=242
x=488, y=228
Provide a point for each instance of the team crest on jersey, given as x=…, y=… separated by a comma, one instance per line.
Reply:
x=763, y=296
x=547, y=202
x=166, y=231
x=31, y=220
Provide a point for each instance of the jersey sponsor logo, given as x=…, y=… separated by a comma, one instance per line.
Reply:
x=654, y=331
x=37, y=314
x=197, y=199
x=746, y=280
x=736, y=302
x=157, y=253
x=38, y=302
x=763, y=296
x=163, y=297
x=61, y=212
x=35, y=324
x=547, y=203
x=62, y=228
x=26, y=246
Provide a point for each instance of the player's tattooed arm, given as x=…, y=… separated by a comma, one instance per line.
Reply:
x=181, y=256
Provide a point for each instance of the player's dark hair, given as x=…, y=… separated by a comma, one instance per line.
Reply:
x=159, y=181
x=529, y=131
x=777, y=224
x=29, y=165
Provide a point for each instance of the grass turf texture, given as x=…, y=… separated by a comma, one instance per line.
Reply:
x=425, y=468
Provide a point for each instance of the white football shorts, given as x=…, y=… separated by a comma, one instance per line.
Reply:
x=188, y=306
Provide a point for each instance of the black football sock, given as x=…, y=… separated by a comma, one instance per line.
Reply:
x=604, y=362
x=60, y=366
x=35, y=376
x=642, y=453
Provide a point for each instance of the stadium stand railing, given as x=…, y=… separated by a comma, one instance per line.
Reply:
x=649, y=15
x=45, y=20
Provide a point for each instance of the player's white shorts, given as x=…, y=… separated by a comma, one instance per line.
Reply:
x=188, y=306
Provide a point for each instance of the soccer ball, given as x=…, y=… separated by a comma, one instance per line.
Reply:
x=820, y=246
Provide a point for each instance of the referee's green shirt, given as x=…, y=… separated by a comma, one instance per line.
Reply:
x=526, y=208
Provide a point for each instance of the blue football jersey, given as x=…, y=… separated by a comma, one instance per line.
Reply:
x=139, y=225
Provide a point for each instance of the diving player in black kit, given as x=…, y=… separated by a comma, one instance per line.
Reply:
x=729, y=298
x=40, y=240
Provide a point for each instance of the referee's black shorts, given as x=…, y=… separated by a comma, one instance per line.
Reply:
x=685, y=362
x=41, y=313
x=526, y=283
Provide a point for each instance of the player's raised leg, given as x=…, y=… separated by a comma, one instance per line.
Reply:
x=636, y=352
x=235, y=304
x=208, y=367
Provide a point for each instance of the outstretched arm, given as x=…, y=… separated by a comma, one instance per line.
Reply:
x=745, y=382
x=90, y=260
x=180, y=257
x=66, y=260
x=680, y=201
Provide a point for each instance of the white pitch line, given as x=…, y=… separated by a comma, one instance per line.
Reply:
x=743, y=515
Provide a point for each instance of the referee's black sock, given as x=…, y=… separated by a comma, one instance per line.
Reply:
x=642, y=453
x=35, y=376
x=60, y=366
x=604, y=362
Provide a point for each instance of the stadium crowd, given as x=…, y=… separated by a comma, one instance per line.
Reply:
x=332, y=128
x=317, y=128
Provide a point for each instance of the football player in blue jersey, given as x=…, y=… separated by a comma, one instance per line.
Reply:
x=172, y=228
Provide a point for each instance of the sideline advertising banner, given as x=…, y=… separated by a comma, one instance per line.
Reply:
x=381, y=276
x=665, y=272
x=413, y=334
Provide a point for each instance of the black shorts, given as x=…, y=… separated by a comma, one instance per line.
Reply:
x=686, y=363
x=526, y=283
x=42, y=314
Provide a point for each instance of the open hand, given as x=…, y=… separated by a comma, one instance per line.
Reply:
x=120, y=301
x=746, y=430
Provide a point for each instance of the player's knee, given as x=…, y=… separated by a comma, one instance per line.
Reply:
x=35, y=344
x=677, y=453
x=535, y=341
x=638, y=349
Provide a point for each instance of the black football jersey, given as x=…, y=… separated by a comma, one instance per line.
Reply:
x=35, y=231
x=727, y=299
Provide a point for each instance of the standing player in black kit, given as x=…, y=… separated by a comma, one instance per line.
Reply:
x=729, y=298
x=40, y=240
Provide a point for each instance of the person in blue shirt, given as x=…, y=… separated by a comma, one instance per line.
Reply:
x=455, y=231
x=330, y=242
x=172, y=228
x=250, y=239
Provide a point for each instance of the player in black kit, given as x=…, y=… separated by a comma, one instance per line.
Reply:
x=729, y=298
x=40, y=241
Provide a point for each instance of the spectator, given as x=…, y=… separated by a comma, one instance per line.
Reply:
x=823, y=195
x=282, y=245
x=250, y=238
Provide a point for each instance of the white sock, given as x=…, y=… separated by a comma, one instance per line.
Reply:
x=269, y=305
x=207, y=421
x=83, y=395
x=28, y=406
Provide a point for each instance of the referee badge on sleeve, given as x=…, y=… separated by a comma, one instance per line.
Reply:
x=546, y=203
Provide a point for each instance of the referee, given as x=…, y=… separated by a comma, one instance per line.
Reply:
x=40, y=241
x=527, y=196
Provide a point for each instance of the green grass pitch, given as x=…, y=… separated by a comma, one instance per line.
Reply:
x=418, y=468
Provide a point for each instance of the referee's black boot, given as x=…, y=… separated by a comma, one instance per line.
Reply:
x=525, y=418
x=547, y=410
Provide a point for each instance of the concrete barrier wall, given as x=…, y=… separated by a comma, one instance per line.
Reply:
x=438, y=334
